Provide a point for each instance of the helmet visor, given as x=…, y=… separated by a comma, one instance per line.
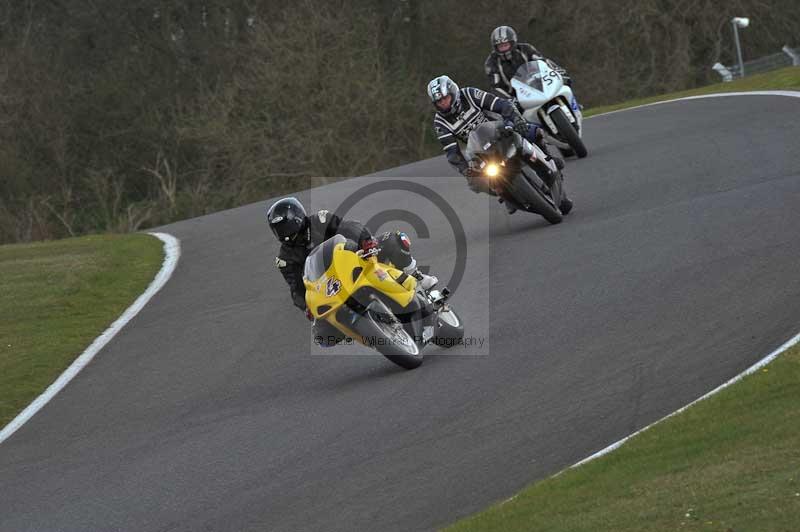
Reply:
x=286, y=228
x=444, y=104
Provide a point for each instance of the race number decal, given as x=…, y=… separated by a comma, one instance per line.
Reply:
x=550, y=77
x=333, y=287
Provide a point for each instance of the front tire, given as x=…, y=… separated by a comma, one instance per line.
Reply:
x=384, y=332
x=567, y=132
x=524, y=192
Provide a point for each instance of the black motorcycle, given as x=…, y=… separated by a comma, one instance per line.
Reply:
x=533, y=184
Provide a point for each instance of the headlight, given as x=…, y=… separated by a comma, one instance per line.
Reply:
x=492, y=170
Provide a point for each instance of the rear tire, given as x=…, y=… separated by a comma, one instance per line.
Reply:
x=450, y=329
x=567, y=131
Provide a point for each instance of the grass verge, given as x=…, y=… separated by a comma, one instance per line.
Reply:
x=784, y=79
x=728, y=463
x=56, y=297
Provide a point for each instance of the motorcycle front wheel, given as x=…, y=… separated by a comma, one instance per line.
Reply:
x=384, y=332
x=567, y=132
x=526, y=194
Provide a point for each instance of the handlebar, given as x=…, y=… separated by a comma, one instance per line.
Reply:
x=369, y=253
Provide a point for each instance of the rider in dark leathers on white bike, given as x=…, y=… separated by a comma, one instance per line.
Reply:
x=507, y=56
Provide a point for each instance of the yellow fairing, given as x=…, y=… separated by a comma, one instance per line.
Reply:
x=327, y=294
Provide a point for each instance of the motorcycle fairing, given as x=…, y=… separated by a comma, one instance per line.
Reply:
x=331, y=264
x=536, y=84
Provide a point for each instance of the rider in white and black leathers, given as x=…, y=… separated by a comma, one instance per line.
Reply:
x=460, y=111
x=507, y=56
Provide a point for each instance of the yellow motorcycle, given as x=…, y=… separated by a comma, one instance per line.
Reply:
x=377, y=305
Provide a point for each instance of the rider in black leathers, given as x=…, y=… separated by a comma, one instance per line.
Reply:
x=507, y=56
x=300, y=233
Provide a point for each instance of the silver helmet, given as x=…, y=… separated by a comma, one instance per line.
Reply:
x=504, y=34
x=440, y=88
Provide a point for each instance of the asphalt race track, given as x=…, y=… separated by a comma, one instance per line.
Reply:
x=678, y=268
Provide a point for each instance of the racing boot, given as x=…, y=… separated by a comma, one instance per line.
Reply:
x=539, y=141
x=566, y=205
x=478, y=185
x=426, y=282
x=556, y=159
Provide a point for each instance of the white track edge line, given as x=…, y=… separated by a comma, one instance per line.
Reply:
x=769, y=358
x=172, y=252
x=749, y=371
x=752, y=369
x=791, y=94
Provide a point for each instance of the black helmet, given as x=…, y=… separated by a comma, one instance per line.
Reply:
x=504, y=34
x=439, y=89
x=287, y=219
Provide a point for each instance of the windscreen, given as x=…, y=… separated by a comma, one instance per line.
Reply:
x=321, y=258
x=530, y=74
x=483, y=138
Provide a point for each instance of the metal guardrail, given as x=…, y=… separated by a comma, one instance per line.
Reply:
x=787, y=57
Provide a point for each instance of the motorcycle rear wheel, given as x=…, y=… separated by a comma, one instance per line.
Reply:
x=450, y=328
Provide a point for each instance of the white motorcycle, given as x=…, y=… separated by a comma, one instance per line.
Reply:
x=546, y=100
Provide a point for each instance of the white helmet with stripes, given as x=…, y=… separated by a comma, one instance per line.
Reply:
x=439, y=89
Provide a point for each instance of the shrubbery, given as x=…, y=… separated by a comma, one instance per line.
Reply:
x=115, y=116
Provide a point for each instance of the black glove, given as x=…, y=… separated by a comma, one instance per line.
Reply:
x=508, y=128
x=473, y=169
x=521, y=125
x=369, y=245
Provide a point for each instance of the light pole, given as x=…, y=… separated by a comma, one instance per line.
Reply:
x=739, y=22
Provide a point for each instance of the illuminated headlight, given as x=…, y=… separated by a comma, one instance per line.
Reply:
x=492, y=170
